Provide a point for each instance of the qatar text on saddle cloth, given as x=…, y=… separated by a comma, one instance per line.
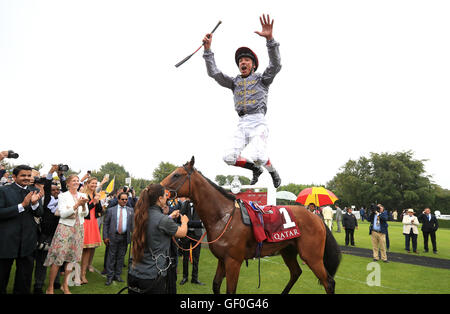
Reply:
x=272, y=223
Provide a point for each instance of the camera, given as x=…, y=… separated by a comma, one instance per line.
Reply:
x=374, y=208
x=39, y=180
x=12, y=154
x=63, y=168
x=127, y=189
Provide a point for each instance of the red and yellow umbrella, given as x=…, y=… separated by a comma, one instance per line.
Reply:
x=317, y=195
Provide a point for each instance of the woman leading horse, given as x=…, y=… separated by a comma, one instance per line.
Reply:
x=232, y=241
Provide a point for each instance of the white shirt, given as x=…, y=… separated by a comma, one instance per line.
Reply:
x=124, y=217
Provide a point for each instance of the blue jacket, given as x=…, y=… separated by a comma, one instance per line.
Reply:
x=383, y=222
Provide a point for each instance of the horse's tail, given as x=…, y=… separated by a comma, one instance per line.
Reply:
x=332, y=255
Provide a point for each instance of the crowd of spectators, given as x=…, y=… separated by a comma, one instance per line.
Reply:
x=378, y=219
x=51, y=225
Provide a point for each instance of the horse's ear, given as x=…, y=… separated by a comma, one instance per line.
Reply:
x=192, y=162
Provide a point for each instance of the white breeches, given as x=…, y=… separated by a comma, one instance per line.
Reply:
x=251, y=133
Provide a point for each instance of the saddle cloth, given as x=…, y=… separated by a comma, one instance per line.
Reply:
x=271, y=223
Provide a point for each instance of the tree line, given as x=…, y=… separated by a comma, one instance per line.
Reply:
x=397, y=180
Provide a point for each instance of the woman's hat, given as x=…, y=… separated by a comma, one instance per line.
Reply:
x=410, y=210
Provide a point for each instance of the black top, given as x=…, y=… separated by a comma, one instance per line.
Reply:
x=156, y=258
x=349, y=221
x=98, y=208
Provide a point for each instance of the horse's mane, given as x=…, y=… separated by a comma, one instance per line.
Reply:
x=219, y=188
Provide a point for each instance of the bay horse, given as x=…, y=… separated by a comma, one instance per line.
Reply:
x=234, y=241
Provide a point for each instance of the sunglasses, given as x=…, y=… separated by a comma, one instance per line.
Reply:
x=124, y=199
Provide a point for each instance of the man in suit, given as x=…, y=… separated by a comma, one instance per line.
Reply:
x=19, y=204
x=195, y=232
x=350, y=223
x=429, y=227
x=117, y=227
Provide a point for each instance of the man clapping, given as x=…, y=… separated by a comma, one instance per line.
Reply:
x=19, y=204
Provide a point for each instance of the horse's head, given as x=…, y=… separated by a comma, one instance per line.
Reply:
x=179, y=181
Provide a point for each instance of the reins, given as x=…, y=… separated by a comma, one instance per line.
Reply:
x=188, y=177
x=199, y=241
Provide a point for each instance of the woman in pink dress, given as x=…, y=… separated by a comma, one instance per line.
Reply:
x=92, y=237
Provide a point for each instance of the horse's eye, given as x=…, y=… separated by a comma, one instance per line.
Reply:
x=176, y=175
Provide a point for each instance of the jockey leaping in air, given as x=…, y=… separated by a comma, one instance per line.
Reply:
x=250, y=101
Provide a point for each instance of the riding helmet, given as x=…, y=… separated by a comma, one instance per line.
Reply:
x=246, y=52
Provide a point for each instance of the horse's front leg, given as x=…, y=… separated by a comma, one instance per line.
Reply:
x=218, y=278
x=232, y=268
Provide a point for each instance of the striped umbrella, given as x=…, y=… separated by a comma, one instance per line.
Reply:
x=317, y=195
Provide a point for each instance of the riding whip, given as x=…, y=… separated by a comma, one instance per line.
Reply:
x=188, y=57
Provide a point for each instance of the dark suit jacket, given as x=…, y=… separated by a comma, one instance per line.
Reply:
x=428, y=225
x=110, y=223
x=49, y=221
x=18, y=231
x=383, y=222
x=194, y=224
x=349, y=221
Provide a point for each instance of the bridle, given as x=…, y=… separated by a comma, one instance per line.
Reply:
x=188, y=177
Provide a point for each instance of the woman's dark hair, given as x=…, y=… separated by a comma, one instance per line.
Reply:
x=148, y=198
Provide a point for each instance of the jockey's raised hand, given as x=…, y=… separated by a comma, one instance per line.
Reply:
x=207, y=41
x=267, y=27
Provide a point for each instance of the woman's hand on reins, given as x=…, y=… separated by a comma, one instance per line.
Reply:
x=184, y=219
x=182, y=230
x=175, y=214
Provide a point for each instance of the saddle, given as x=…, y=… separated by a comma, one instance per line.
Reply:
x=270, y=223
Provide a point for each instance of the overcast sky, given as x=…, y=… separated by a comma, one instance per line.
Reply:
x=87, y=82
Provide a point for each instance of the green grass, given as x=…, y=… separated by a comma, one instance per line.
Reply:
x=352, y=273
x=397, y=239
x=350, y=278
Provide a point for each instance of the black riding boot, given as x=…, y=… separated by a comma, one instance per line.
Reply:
x=276, y=178
x=257, y=171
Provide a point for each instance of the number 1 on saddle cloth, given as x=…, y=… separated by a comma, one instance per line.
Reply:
x=272, y=223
